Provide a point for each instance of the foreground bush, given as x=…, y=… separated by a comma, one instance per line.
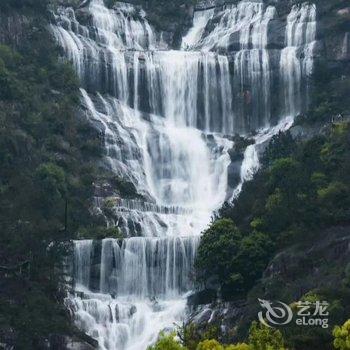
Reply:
x=342, y=336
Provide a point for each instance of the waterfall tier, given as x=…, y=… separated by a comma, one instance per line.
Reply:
x=225, y=82
x=153, y=153
x=121, y=286
x=137, y=267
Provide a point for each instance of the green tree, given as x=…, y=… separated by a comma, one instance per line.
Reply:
x=239, y=346
x=280, y=146
x=265, y=338
x=252, y=258
x=210, y=344
x=190, y=334
x=167, y=342
x=342, y=336
x=334, y=200
x=44, y=165
x=236, y=260
x=286, y=173
x=219, y=244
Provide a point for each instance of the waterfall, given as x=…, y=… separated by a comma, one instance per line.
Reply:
x=194, y=35
x=138, y=267
x=242, y=28
x=251, y=162
x=167, y=117
x=127, y=284
x=154, y=155
x=296, y=57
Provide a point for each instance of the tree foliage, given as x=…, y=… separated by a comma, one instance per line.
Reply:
x=44, y=170
x=301, y=188
x=265, y=338
x=342, y=336
x=40, y=5
x=260, y=338
x=167, y=342
x=235, y=260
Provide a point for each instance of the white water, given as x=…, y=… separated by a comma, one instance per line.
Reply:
x=194, y=35
x=141, y=291
x=296, y=61
x=249, y=20
x=163, y=115
x=155, y=156
x=251, y=162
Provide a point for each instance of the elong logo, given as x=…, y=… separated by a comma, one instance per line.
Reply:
x=277, y=313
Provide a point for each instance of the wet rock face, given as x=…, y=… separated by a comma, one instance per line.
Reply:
x=226, y=316
x=333, y=30
x=334, y=247
x=83, y=16
x=59, y=342
x=8, y=337
x=337, y=47
x=276, y=34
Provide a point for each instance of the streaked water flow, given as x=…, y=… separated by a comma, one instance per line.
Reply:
x=165, y=116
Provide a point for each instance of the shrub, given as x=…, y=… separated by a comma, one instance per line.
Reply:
x=167, y=342
x=236, y=260
x=240, y=346
x=342, y=336
x=210, y=345
x=265, y=338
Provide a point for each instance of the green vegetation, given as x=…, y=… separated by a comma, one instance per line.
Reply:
x=264, y=338
x=190, y=335
x=46, y=179
x=167, y=342
x=260, y=338
x=236, y=260
x=330, y=93
x=300, y=189
x=342, y=336
x=212, y=344
x=6, y=5
x=330, y=82
x=99, y=232
x=301, y=192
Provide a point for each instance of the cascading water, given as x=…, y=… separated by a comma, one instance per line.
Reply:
x=296, y=63
x=200, y=21
x=165, y=116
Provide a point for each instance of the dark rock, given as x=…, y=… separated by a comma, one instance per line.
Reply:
x=132, y=310
x=276, y=34
x=234, y=173
x=117, y=312
x=225, y=316
x=95, y=277
x=203, y=297
x=84, y=3
x=235, y=155
x=234, y=42
x=202, y=316
x=83, y=15
x=7, y=338
x=60, y=342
